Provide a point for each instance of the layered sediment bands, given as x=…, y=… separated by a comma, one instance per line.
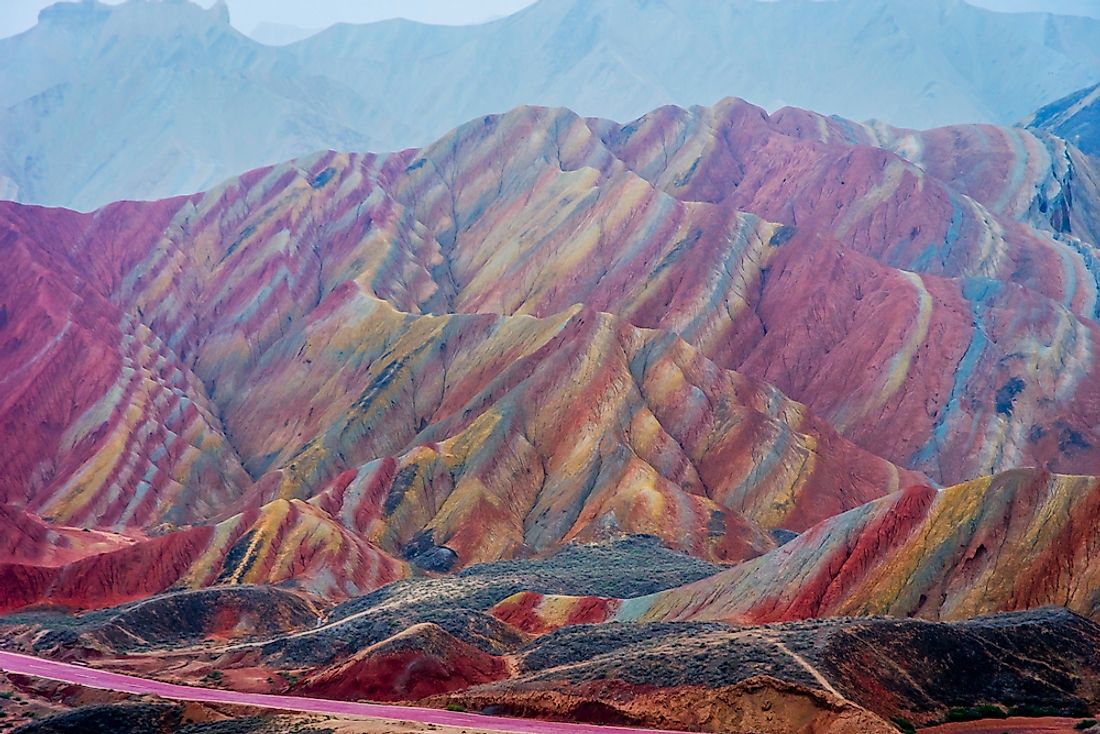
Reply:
x=282, y=542
x=26, y=538
x=423, y=660
x=101, y=580
x=594, y=427
x=961, y=201
x=105, y=426
x=1040, y=181
x=641, y=220
x=1020, y=540
x=293, y=543
x=543, y=328
x=661, y=442
x=911, y=347
x=955, y=378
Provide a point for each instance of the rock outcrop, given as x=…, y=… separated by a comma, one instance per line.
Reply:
x=1016, y=541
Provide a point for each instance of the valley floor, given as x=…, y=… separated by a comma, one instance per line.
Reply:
x=386, y=718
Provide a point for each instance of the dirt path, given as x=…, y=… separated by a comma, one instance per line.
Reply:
x=106, y=680
x=817, y=676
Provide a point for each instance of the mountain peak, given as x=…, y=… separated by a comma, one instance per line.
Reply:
x=74, y=13
x=92, y=12
x=220, y=10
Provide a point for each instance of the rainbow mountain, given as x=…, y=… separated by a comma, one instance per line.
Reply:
x=712, y=325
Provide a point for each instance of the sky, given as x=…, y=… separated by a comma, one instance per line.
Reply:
x=19, y=15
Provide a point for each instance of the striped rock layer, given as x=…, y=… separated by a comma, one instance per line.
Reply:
x=530, y=433
x=281, y=543
x=543, y=328
x=1019, y=540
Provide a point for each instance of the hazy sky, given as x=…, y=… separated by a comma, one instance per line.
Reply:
x=19, y=15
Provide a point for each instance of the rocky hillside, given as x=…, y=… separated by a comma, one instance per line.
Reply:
x=705, y=325
x=699, y=676
x=431, y=641
x=1019, y=540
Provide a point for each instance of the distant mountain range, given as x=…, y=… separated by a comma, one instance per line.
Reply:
x=150, y=99
x=1075, y=117
x=1085, y=8
x=280, y=34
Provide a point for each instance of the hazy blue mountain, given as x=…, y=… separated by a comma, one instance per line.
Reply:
x=280, y=34
x=915, y=64
x=1086, y=8
x=148, y=98
x=145, y=100
x=1075, y=117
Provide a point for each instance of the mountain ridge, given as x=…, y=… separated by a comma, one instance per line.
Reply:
x=982, y=547
x=1075, y=117
x=326, y=92
x=374, y=350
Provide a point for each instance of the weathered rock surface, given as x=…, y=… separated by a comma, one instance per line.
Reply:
x=421, y=661
x=348, y=368
x=1016, y=541
x=166, y=620
x=897, y=668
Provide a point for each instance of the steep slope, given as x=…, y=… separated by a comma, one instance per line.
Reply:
x=737, y=306
x=962, y=201
x=472, y=465
x=488, y=476
x=26, y=538
x=299, y=382
x=1075, y=117
x=543, y=328
x=207, y=102
x=107, y=427
x=1020, y=540
x=658, y=441
x=286, y=543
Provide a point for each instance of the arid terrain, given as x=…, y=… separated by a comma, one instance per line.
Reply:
x=725, y=418
x=449, y=643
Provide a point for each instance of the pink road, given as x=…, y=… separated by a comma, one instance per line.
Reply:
x=105, y=680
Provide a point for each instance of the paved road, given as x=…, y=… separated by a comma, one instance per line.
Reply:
x=106, y=680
